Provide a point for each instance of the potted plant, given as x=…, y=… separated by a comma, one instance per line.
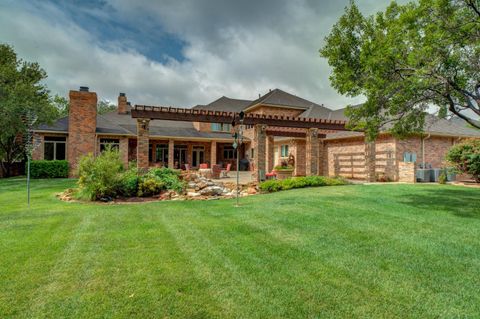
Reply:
x=284, y=170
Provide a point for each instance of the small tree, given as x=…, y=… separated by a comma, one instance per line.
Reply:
x=466, y=158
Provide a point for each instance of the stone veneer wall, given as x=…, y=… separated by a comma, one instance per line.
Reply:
x=407, y=172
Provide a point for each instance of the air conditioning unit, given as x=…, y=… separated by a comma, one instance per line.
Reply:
x=424, y=175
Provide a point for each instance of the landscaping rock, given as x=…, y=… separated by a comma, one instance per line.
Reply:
x=212, y=191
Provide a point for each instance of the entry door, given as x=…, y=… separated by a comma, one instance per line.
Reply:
x=198, y=155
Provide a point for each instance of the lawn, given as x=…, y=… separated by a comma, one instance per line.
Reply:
x=386, y=251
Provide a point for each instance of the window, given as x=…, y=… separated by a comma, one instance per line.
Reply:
x=221, y=127
x=113, y=143
x=284, y=151
x=409, y=157
x=54, y=148
x=229, y=152
x=161, y=153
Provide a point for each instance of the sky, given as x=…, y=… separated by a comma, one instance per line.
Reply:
x=179, y=52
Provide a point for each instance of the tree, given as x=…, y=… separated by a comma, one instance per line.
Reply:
x=105, y=106
x=406, y=60
x=62, y=105
x=466, y=158
x=22, y=96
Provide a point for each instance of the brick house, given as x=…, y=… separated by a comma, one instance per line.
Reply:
x=176, y=143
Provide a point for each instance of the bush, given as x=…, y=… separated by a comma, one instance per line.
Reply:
x=465, y=157
x=129, y=182
x=149, y=185
x=300, y=182
x=442, y=178
x=169, y=177
x=48, y=169
x=100, y=177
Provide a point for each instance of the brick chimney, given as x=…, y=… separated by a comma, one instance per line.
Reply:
x=82, y=125
x=122, y=104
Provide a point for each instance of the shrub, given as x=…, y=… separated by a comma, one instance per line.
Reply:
x=48, y=169
x=100, y=177
x=442, y=178
x=283, y=166
x=169, y=177
x=300, y=182
x=149, y=185
x=129, y=182
x=465, y=157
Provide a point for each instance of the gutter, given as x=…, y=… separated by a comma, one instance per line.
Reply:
x=423, y=149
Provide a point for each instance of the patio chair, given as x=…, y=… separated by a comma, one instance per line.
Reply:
x=271, y=175
x=187, y=167
x=204, y=165
x=226, y=171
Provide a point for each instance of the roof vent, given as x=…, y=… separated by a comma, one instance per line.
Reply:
x=259, y=95
x=83, y=89
x=122, y=94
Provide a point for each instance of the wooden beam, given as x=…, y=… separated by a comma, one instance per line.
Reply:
x=195, y=115
x=290, y=134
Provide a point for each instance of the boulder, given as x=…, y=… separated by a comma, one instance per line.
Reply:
x=212, y=191
x=193, y=194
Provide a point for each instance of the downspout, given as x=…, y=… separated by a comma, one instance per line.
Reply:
x=423, y=150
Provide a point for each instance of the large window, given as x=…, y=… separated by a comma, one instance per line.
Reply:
x=113, y=143
x=221, y=127
x=161, y=153
x=54, y=148
x=229, y=152
x=284, y=151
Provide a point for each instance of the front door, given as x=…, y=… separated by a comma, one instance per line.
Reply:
x=198, y=155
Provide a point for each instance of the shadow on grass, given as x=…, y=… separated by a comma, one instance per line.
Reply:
x=460, y=202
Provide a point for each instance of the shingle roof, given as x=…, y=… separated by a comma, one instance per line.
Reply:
x=225, y=104
x=282, y=98
x=61, y=125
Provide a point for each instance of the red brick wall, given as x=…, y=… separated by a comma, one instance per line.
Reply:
x=82, y=123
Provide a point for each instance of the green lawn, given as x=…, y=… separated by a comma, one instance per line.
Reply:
x=386, y=251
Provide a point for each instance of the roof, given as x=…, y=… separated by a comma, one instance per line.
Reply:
x=282, y=98
x=225, y=104
x=114, y=123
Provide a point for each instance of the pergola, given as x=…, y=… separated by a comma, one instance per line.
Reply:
x=265, y=127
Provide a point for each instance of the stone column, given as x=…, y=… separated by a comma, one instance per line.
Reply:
x=142, y=143
x=213, y=153
x=171, y=147
x=311, y=156
x=124, y=151
x=270, y=153
x=259, y=156
x=370, y=154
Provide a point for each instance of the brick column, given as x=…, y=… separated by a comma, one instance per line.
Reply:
x=321, y=157
x=270, y=153
x=142, y=143
x=171, y=147
x=298, y=147
x=311, y=152
x=124, y=151
x=259, y=156
x=370, y=154
x=82, y=126
x=213, y=153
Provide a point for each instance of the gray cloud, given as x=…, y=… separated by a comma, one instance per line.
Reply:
x=233, y=48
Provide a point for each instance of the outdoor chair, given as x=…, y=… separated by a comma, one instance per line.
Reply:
x=187, y=167
x=204, y=165
x=226, y=171
x=271, y=175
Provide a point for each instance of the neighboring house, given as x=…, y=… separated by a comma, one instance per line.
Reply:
x=176, y=143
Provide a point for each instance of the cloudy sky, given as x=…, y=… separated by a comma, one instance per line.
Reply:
x=179, y=52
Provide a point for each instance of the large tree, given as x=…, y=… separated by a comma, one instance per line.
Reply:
x=407, y=60
x=23, y=97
